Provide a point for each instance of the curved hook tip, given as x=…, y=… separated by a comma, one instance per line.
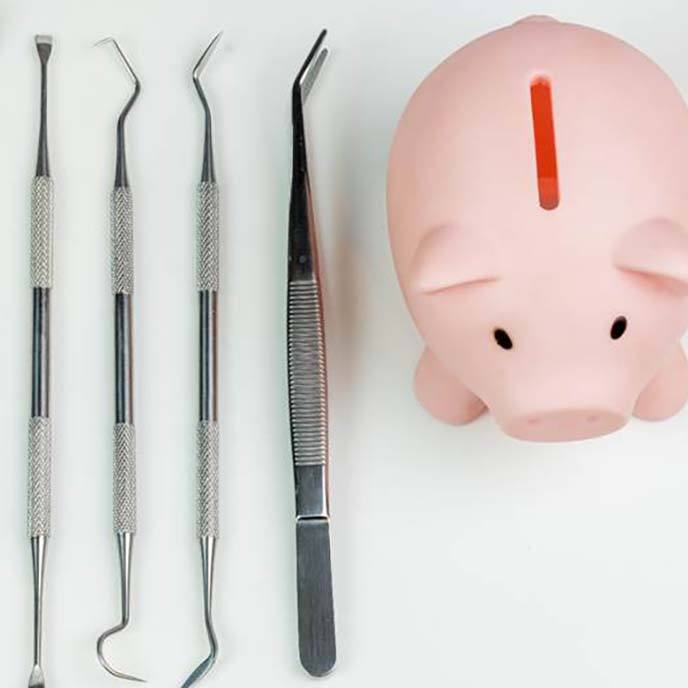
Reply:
x=207, y=664
x=201, y=670
x=105, y=664
x=127, y=65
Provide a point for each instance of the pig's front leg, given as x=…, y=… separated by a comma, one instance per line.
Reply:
x=443, y=395
x=667, y=392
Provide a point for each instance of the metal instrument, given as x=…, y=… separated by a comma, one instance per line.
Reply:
x=124, y=437
x=308, y=398
x=42, y=202
x=207, y=431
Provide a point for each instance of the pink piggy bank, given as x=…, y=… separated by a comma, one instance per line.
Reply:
x=538, y=216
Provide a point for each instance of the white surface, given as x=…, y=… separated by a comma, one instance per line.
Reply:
x=461, y=557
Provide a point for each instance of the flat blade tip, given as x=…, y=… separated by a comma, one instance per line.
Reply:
x=44, y=46
x=37, y=679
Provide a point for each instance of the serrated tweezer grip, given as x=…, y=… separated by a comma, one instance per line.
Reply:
x=307, y=373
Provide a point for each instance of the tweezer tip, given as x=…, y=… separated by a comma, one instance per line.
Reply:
x=316, y=49
x=310, y=69
x=44, y=39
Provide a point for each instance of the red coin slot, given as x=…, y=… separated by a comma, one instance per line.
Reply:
x=545, y=146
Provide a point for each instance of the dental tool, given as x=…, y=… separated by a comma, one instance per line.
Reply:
x=207, y=430
x=307, y=377
x=40, y=429
x=124, y=436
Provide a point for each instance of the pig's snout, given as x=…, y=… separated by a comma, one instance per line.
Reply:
x=564, y=425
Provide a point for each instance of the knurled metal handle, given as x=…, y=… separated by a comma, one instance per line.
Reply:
x=208, y=237
x=307, y=374
x=122, y=238
x=42, y=206
x=208, y=440
x=124, y=478
x=39, y=476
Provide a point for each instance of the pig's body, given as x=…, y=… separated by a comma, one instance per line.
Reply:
x=478, y=257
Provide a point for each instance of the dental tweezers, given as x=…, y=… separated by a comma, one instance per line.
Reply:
x=307, y=377
x=40, y=429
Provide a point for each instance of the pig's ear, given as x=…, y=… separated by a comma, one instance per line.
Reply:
x=451, y=256
x=657, y=249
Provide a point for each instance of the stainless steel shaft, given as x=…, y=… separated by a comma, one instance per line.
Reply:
x=42, y=203
x=208, y=431
x=40, y=431
x=207, y=282
x=124, y=435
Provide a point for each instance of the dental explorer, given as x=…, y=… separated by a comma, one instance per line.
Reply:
x=307, y=377
x=124, y=437
x=40, y=430
x=207, y=430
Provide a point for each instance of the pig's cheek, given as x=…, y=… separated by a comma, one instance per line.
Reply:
x=456, y=329
x=442, y=325
x=656, y=322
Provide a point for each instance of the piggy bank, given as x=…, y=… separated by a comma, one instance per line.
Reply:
x=538, y=215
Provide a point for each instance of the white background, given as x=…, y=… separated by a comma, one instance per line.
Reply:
x=461, y=557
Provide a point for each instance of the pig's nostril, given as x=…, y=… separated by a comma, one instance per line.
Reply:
x=534, y=421
x=593, y=418
x=503, y=339
x=618, y=327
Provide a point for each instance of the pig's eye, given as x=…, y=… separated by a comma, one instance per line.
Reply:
x=618, y=328
x=503, y=339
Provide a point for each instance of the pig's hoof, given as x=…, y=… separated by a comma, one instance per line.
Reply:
x=651, y=406
x=456, y=414
x=667, y=393
x=443, y=396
